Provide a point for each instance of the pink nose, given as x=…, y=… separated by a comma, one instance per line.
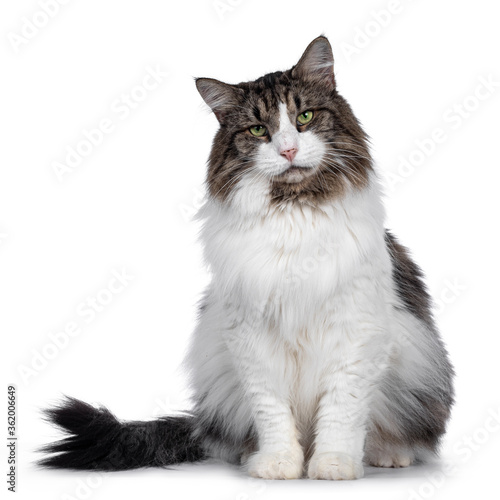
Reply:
x=289, y=154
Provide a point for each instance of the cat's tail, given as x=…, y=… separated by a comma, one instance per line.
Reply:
x=96, y=440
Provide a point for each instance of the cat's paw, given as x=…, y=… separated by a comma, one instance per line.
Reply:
x=276, y=465
x=334, y=466
x=395, y=459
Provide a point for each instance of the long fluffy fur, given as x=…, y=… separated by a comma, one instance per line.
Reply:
x=316, y=349
x=98, y=441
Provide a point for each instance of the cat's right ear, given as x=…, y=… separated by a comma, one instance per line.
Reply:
x=219, y=96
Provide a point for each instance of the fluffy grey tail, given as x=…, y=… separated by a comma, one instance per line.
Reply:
x=96, y=440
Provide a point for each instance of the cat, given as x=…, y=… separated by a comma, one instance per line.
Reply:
x=315, y=350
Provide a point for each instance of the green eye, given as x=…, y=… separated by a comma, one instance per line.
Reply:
x=305, y=117
x=258, y=131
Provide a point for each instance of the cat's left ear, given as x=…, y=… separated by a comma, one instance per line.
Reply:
x=219, y=96
x=316, y=62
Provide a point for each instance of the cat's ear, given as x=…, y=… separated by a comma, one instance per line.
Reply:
x=219, y=96
x=316, y=62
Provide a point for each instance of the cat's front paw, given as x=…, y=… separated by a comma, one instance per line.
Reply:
x=334, y=466
x=276, y=465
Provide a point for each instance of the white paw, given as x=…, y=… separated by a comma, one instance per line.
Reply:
x=395, y=460
x=334, y=466
x=276, y=465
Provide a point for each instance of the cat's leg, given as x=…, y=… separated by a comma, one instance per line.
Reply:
x=413, y=401
x=279, y=454
x=341, y=418
x=405, y=427
x=355, y=364
x=384, y=450
x=262, y=368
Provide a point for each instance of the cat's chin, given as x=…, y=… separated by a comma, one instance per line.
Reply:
x=295, y=174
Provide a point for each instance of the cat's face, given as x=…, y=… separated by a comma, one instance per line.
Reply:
x=290, y=131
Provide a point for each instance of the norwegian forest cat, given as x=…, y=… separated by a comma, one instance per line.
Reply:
x=315, y=349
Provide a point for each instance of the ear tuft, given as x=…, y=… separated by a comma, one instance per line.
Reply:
x=316, y=62
x=219, y=96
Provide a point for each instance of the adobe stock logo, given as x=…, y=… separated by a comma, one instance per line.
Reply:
x=452, y=119
x=365, y=34
x=85, y=487
x=467, y=448
x=222, y=7
x=121, y=107
x=86, y=313
x=32, y=26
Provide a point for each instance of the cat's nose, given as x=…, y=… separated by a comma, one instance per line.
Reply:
x=289, y=154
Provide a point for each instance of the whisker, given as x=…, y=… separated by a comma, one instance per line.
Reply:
x=236, y=178
x=346, y=169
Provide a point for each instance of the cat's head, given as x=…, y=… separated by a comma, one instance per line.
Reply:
x=288, y=132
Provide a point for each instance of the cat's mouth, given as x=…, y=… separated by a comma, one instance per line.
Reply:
x=295, y=173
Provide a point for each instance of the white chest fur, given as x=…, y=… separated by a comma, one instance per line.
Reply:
x=289, y=261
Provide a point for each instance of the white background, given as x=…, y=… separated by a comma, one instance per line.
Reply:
x=128, y=206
